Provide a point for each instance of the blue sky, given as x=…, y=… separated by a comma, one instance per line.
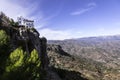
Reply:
x=65, y=19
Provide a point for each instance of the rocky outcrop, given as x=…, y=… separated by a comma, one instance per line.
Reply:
x=28, y=39
x=32, y=41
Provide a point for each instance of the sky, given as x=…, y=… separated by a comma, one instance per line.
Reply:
x=66, y=19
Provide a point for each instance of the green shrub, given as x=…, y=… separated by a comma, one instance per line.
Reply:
x=4, y=43
x=3, y=38
x=13, y=23
x=20, y=66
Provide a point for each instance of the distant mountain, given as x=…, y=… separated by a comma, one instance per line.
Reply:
x=69, y=67
x=105, y=49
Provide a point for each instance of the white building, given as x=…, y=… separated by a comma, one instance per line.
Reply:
x=25, y=22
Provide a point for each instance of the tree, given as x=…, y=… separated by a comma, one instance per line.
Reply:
x=4, y=43
x=20, y=66
x=3, y=38
x=13, y=23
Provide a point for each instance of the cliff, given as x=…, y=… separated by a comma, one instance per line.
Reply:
x=28, y=38
x=23, y=41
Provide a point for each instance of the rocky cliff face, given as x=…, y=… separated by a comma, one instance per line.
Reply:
x=28, y=39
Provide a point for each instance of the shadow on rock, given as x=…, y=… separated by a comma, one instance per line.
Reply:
x=68, y=75
x=57, y=48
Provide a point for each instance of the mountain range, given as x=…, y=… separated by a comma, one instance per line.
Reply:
x=104, y=49
x=97, y=58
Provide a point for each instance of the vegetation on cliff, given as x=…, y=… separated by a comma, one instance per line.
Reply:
x=71, y=67
x=21, y=67
x=19, y=58
x=17, y=65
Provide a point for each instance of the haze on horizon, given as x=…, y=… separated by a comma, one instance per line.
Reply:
x=66, y=19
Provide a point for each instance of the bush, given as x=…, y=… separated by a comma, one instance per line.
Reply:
x=13, y=23
x=20, y=66
x=3, y=38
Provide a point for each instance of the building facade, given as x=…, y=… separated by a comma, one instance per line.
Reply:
x=25, y=22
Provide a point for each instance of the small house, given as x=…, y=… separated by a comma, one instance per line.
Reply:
x=25, y=22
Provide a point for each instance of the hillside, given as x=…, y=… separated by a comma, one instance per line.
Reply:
x=96, y=51
x=101, y=49
x=78, y=68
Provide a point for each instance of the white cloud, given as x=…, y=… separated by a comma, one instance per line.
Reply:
x=79, y=12
x=13, y=9
x=90, y=6
x=59, y=34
